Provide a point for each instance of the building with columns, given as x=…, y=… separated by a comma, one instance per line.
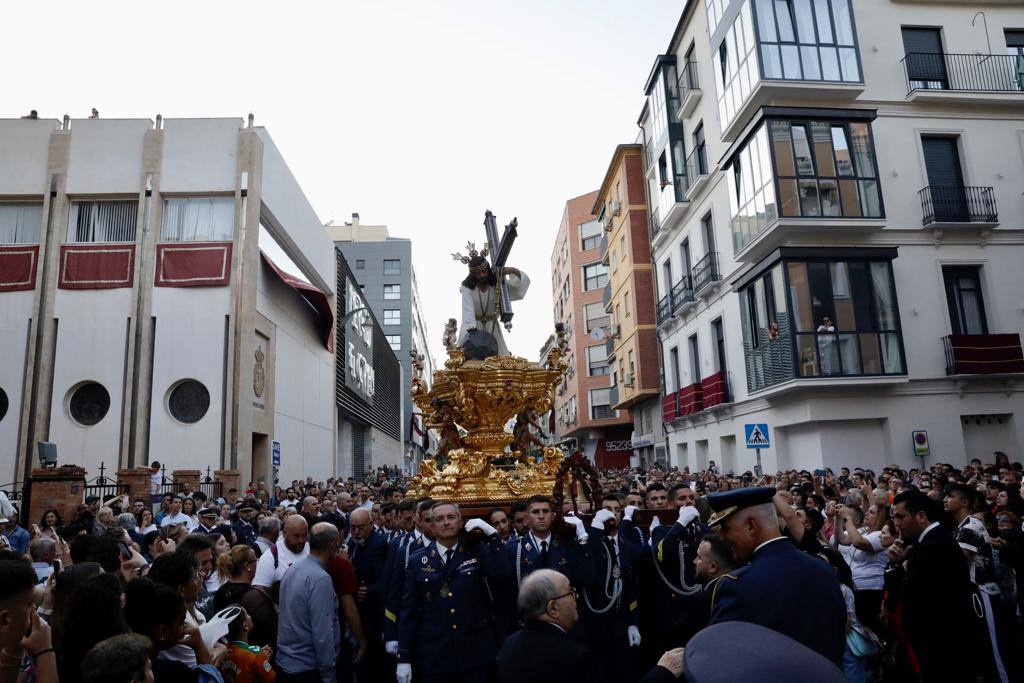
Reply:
x=837, y=225
x=166, y=293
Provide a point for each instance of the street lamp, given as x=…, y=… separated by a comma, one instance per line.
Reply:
x=348, y=316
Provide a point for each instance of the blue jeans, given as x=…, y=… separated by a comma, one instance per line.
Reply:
x=855, y=668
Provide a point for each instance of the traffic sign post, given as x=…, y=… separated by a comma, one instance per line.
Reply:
x=920, y=440
x=757, y=437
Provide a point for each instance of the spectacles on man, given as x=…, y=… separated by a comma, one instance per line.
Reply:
x=572, y=592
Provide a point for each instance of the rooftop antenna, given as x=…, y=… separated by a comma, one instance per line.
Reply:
x=988, y=40
x=251, y=118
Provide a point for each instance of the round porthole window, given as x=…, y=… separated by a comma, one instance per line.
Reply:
x=89, y=403
x=188, y=401
x=3, y=404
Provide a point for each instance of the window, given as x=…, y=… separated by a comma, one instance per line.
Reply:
x=392, y=266
x=966, y=303
x=597, y=360
x=360, y=264
x=694, y=359
x=595, y=317
x=622, y=248
x=102, y=221
x=392, y=316
x=632, y=365
x=595, y=276
x=700, y=152
x=20, y=223
x=590, y=235
x=707, y=229
x=718, y=339
x=811, y=40
x=666, y=270
x=188, y=401
x=1015, y=45
x=392, y=292
x=925, y=63
x=198, y=219
x=629, y=307
x=88, y=403
x=395, y=341
x=600, y=404
x=673, y=357
x=736, y=75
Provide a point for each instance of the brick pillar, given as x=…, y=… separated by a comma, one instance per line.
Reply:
x=230, y=479
x=189, y=477
x=60, y=488
x=138, y=481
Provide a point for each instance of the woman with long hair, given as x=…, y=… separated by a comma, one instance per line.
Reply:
x=188, y=508
x=146, y=522
x=50, y=524
x=93, y=614
x=237, y=568
x=868, y=558
x=158, y=611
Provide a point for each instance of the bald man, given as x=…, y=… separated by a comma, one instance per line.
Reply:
x=291, y=547
x=368, y=552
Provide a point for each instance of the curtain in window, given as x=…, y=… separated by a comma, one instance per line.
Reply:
x=19, y=223
x=109, y=221
x=198, y=219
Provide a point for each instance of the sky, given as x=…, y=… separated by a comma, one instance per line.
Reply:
x=415, y=114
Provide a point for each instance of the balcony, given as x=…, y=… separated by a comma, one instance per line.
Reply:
x=705, y=273
x=604, y=249
x=715, y=390
x=682, y=294
x=697, y=171
x=664, y=309
x=670, y=406
x=983, y=354
x=691, y=399
x=655, y=223
x=609, y=348
x=613, y=396
x=933, y=77
x=606, y=296
x=689, y=90
x=952, y=205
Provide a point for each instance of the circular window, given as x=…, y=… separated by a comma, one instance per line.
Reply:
x=188, y=401
x=3, y=404
x=89, y=403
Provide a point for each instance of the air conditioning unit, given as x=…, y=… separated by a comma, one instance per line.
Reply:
x=616, y=207
x=627, y=381
x=616, y=331
x=607, y=223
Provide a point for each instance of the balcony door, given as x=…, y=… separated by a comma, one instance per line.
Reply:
x=1015, y=48
x=945, y=178
x=966, y=304
x=694, y=360
x=926, y=65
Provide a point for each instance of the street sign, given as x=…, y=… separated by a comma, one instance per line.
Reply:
x=275, y=453
x=757, y=435
x=920, y=438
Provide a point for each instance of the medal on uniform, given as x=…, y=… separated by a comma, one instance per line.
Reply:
x=616, y=572
x=445, y=593
x=424, y=559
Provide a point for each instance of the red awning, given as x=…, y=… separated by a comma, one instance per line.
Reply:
x=317, y=299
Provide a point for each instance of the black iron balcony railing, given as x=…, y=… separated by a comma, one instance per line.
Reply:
x=705, y=272
x=688, y=79
x=655, y=222
x=964, y=73
x=606, y=295
x=682, y=293
x=664, y=308
x=697, y=163
x=958, y=204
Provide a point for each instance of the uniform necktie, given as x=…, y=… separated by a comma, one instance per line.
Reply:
x=543, y=559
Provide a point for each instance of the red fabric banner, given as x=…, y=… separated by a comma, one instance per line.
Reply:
x=18, y=267
x=96, y=266
x=690, y=400
x=713, y=390
x=193, y=264
x=986, y=354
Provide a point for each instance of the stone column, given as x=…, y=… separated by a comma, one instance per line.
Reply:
x=229, y=479
x=138, y=481
x=60, y=488
x=188, y=478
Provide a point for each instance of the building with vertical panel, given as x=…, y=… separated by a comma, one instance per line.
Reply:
x=583, y=402
x=836, y=224
x=632, y=344
x=166, y=293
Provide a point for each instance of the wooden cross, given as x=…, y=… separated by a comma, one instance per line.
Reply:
x=499, y=251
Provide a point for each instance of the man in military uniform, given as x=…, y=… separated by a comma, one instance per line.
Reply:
x=446, y=628
x=245, y=532
x=399, y=552
x=777, y=577
x=714, y=560
x=609, y=602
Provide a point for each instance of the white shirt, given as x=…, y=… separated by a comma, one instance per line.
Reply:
x=286, y=503
x=771, y=540
x=180, y=518
x=444, y=552
x=266, y=575
x=868, y=566
x=155, y=480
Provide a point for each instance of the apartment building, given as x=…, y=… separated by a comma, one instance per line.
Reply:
x=632, y=345
x=836, y=223
x=583, y=402
x=382, y=265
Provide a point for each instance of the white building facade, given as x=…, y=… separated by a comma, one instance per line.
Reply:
x=166, y=294
x=837, y=221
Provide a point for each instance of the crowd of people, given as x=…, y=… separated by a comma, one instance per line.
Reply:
x=890, y=576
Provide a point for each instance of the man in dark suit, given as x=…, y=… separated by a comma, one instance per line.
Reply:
x=544, y=652
x=936, y=589
x=368, y=553
x=777, y=577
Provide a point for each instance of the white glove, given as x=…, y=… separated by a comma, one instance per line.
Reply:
x=391, y=647
x=687, y=515
x=404, y=673
x=655, y=521
x=600, y=517
x=581, y=531
x=482, y=525
x=628, y=512
x=633, y=635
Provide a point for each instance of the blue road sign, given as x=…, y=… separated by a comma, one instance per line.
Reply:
x=757, y=435
x=275, y=451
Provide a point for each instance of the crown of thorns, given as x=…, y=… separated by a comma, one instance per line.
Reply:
x=473, y=253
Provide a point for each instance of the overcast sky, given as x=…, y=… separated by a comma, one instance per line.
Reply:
x=419, y=114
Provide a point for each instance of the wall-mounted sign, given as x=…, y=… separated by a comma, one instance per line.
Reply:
x=359, y=372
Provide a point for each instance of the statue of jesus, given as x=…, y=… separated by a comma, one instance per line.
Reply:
x=480, y=298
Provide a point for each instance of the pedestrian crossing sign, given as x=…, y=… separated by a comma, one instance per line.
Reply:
x=757, y=435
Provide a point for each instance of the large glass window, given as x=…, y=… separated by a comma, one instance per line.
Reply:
x=19, y=223
x=752, y=190
x=736, y=66
x=392, y=292
x=102, y=221
x=198, y=219
x=810, y=40
x=595, y=276
x=590, y=235
x=595, y=317
x=394, y=341
x=392, y=316
x=600, y=404
x=597, y=360
x=392, y=266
